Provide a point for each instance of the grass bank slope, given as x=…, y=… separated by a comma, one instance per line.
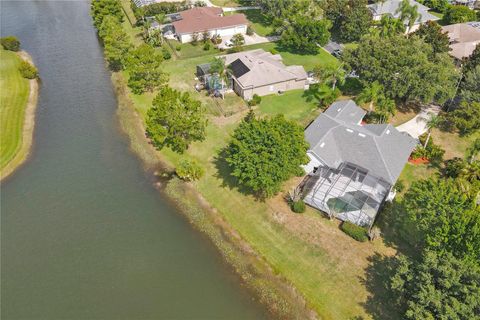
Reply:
x=17, y=108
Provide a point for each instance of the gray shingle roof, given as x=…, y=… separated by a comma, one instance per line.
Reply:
x=336, y=136
x=391, y=6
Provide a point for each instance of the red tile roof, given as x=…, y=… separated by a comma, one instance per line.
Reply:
x=206, y=18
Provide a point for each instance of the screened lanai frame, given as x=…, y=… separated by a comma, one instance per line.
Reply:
x=349, y=193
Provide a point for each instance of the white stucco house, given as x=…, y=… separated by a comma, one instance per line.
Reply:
x=208, y=19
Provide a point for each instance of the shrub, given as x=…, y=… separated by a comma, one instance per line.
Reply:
x=27, y=70
x=216, y=39
x=178, y=48
x=298, y=206
x=189, y=170
x=399, y=186
x=273, y=51
x=207, y=46
x=10, y=43
x=250, y=30
x=356, y=232
x=256, y=99
x=166, y=54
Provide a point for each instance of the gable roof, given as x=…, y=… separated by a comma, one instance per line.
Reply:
x=258, y=68
x=464, y=37
x=201, y=19
x=391, y=6
x=336, y=136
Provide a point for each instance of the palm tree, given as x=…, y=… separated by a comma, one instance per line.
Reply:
x=218, y=67
x=433, y=121
x=330, y=74
x=371, y=94
x=474, y=150
x=385, y=107
x=390, y=26
x=408, y=13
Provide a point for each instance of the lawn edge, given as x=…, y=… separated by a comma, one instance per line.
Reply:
x=28, y=125
x=281, y=298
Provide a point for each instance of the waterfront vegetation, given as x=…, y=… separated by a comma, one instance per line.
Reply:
x=338, y=277
x=13, y=102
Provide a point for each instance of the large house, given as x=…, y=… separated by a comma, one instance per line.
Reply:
x=353, y=166
x=207, y=19
x=391, y=8
x=259, y=72
x=464, y=37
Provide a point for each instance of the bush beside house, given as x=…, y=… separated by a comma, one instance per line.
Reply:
x=356, y=232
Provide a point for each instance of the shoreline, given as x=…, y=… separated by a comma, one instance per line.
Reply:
x=270, y=289
x=28, y=125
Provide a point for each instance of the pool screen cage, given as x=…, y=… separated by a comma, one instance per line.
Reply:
x=348, y=193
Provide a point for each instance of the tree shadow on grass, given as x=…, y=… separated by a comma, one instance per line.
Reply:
x=312, y=93
x=381, y=303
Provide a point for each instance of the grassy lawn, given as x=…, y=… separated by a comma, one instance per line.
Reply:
x=440, y=15
x=309, y=61
x=293, y=104
x=13, y=99
x=453, y=144
x=188, y=50
x=259, y=22
x=225, y=3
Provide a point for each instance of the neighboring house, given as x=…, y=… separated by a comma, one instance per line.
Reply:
x=464, y=37
x=260, y=72
x=391, y=7
x=469, y=3
x=207, y=19
x=142, y=3
x=353, y=166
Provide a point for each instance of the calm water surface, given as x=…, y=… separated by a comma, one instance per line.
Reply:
x=84, y=235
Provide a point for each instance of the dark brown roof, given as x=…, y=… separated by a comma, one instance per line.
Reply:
x=206, y=18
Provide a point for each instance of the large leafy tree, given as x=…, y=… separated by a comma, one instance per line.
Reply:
x=444, y=217
x=103, y=8
x=470, y=86
x=144, y=66
x=473, y=60
x=439, y=286
x=431, y=32
x=306, y=35
x=116, y=42
x=406, y=68
x=175, y=120
x=350, y=18
x=458, y=14
x=263, y=153
x=466, y=117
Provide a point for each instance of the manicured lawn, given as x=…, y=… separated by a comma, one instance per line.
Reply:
x=188, y=50
x=293, y=104
x=309, y=61
x=13, y=99
x=259, y=22
x=225, y=3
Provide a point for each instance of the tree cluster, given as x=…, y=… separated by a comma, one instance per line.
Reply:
x=407, y=68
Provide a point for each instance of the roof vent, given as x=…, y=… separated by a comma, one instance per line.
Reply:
x=339, y=109
x=387, y=132
x=350, y=130
x=322, y=145
x=362, y=135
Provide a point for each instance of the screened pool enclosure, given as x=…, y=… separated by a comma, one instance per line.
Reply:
x=348, y=193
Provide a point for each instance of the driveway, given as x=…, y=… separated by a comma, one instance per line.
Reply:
x=418, y=125
x=253, y=39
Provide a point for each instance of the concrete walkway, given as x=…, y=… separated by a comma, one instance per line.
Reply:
x=249, y=40
x=418, y=125
x=229, y=9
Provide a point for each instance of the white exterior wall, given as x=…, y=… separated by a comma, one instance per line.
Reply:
x=222, y=32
